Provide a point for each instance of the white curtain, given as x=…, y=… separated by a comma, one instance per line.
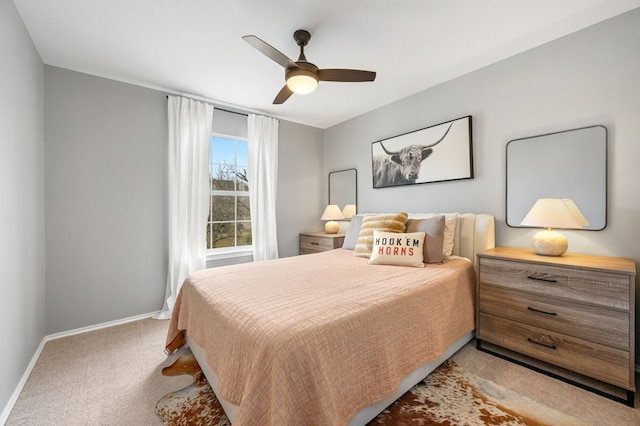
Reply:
x=189, y=144
x=263, y=182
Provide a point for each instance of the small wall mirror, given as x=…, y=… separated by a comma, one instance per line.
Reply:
x=343, y=187
x=570, y=164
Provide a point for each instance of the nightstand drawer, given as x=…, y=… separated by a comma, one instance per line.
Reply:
x=600, y=325
x=315, y=242
x=598, y=361
x=587, y=286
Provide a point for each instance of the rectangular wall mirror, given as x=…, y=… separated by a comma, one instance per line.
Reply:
x=570, y=164
x=343, y=187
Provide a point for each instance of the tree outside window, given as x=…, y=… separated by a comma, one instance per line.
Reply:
x=229, y=222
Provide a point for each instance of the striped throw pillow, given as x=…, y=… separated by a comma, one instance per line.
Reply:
x=392, y=222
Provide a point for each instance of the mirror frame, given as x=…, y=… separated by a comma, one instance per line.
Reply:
x=355, y=183
x=559, y=151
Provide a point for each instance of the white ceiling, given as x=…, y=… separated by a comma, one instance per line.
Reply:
x=194, y=47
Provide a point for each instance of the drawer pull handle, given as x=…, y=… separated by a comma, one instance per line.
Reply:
x=541, y=311
x=529, y=339
x=548, y=280
x=315, y=244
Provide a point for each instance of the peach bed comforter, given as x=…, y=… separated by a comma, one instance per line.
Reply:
x=313, y=339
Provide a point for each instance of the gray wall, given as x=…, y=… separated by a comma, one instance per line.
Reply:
x=300, y=184
x=105, y=191
x=105, y=169
x=587, y=78
x=22, y=254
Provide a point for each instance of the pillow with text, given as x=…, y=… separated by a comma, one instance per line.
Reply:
x=390, y=248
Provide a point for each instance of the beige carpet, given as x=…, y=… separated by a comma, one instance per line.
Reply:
x=113, y=377
x=106, y=377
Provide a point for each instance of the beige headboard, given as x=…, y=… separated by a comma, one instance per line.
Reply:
x=474, y=233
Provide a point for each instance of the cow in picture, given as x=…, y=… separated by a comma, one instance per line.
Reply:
x=403, y=166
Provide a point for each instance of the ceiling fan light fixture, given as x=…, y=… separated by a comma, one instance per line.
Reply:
x=302, y=76
x=302, y=81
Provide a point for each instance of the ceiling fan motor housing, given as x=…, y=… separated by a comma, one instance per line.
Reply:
x=301, y=37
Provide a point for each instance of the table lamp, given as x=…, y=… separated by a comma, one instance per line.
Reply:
x=553, y=213
x=349, y=211
x=332, y=213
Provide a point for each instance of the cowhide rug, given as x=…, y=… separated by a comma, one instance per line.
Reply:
x=448, y=396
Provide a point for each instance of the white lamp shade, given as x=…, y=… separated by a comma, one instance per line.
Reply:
x=349, y=211
x=332, y=212
x=555, y=213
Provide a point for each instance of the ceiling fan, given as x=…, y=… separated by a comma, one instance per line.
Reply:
x=302, y=77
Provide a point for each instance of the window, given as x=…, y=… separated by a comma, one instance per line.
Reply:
x=229, y=223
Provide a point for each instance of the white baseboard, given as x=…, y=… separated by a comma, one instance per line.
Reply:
x=16, y=393
x=99, y=326
x=23, y=380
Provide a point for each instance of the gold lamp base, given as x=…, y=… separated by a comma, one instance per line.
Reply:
x=549, y=243
x=331, y=227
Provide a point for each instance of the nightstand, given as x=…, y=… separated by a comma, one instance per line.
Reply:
x=315, y=242
x=574, y=311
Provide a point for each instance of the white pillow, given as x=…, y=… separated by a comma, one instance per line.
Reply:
x=391, y=248
x=351, y=238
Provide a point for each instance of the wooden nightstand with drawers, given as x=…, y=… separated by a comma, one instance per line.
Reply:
x=315, y=242
x=574, y=311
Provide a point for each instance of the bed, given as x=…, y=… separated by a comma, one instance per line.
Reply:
x=327, y=338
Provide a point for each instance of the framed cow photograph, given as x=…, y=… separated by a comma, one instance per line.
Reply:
x=437, y=153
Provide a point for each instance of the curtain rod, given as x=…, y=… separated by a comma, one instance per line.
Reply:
x=218, y=108
x=232, y=112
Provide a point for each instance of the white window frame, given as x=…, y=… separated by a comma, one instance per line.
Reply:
x=235, y=251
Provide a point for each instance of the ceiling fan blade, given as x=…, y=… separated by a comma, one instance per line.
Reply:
x=270, y=51
x=283, y=95
x=337, y=74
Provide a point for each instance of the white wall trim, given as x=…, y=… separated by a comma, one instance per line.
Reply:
x=99, y=326
x=229, y=254
x=4, y=416
x=14, y=397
